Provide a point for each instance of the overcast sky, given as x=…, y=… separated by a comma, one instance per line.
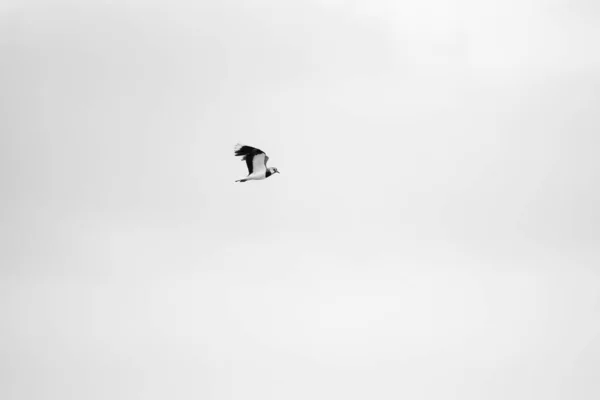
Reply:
x=434, y=232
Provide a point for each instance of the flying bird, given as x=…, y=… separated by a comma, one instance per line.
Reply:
x=256, y=160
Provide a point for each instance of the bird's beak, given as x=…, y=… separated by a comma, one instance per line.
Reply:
x=278, y=172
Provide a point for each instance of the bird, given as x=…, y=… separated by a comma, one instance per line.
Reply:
x=256, y=161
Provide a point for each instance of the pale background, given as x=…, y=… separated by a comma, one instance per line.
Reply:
x=434, y=232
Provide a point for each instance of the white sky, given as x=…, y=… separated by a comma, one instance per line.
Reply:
x=434, y=232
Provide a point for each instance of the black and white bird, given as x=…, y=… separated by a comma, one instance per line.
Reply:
x=256, y=160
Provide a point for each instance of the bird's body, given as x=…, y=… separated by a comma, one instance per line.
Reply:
x=256, y=161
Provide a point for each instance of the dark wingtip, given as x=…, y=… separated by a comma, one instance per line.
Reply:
x=242, y=150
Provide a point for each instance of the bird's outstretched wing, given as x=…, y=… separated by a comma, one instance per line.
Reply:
x=256, y=159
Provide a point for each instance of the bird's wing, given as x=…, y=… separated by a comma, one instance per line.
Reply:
x=259, y=163
x=255, y=158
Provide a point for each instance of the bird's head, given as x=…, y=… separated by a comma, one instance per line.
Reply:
x=273, y=170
